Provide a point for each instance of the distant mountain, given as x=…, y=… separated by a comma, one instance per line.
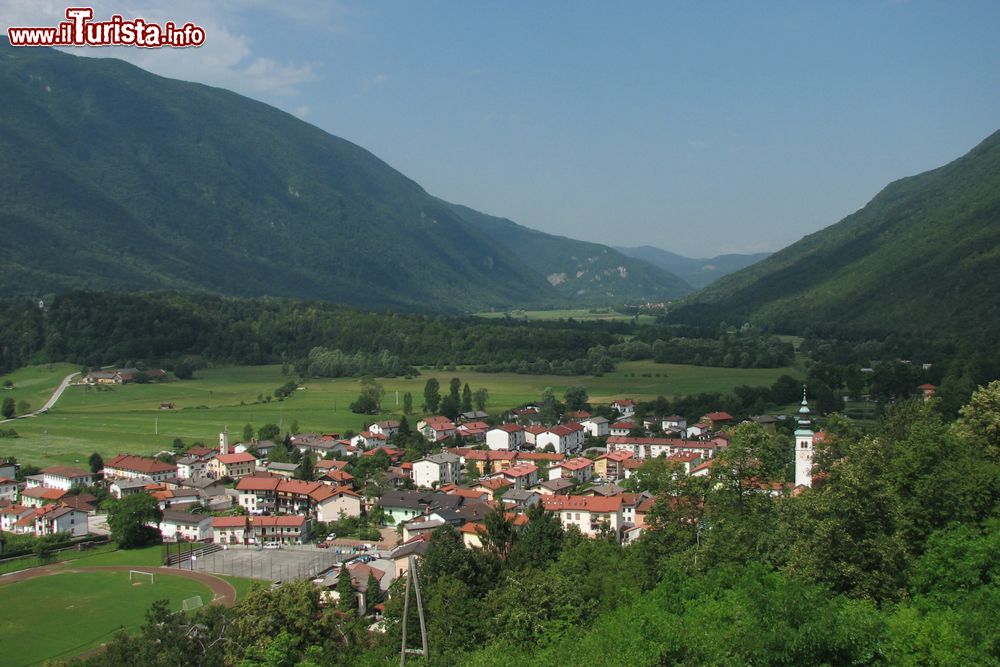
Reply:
x=921, y=258
x=696, y=272
x=582, y=271
x=117, y=179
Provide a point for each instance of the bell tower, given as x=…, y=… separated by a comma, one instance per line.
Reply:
x=803, y=445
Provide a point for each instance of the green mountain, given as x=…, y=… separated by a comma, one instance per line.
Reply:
x=587, y=273
x=117, y=179
x=696, y=272
x=921, y=258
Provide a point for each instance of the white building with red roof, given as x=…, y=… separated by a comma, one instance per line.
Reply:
x=127, y=466
x=260, y=529
x=579, y=469
x=589, y=514
x=562, y=438
x=233, y=466
x=624, y=406
x=505, y=436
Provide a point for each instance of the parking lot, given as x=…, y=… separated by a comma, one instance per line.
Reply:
x=289, y=562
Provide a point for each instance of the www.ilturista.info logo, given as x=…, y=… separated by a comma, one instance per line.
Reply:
x=80, y=30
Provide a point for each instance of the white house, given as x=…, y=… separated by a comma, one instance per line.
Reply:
x=9, y=489
x=443, y=468
x=231, y=465
x=563, y=438
x=66, y=477
x=520, y=476
x=177, y=526
x=387, y=428
x=53, y=519
x=596, y=427
x=505, y=436
x=126, y=466
x=624, y=406
x=578, y=469
x=588, y=513
x=674, y=423
x=190, y=466
x=621, y=428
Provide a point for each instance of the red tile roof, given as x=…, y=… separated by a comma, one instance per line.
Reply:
x=68, y=472
x=599, y=504
x=230, y=459
x=140, y=464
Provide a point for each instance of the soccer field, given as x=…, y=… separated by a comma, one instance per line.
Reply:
x=62, y=615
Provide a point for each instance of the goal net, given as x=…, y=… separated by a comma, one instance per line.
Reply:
x=190, y=604
x=133, y=575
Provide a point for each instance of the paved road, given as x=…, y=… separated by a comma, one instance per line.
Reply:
x=48, y=404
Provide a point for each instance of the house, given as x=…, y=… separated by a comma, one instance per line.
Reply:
x=767, y=421
x=484, y=461
x=687, y=460
x=120, y=488
x=339, y=477
x=39, y=496
x=178, y=526
x=330, y=464
x=260, y=529
x=551, y=487
x=521, y=499
x=387, y=428
x=563, y=438
x=624, y=406
x=415, y=546
x=609, y=466
x=190, y=466
x=233, y=466
x=286, y=470
x=474, y=531
x=474, y=415
x=127, y=466
x=589, y=514
x=11, y=515
x=622, y=428
x=437, y=470
x=928, y=390
x=579, y=469
x=596, y=427
x=66, y=477
x=651, y=448
x=9, y=489
x=506, y=436
x=269, y=495
x=717, y=420
x=53, y=519
x=697, y=430
x=421, y=525
x=494, y=486
x=673, y=423
x=9, y=468
x=520, y=476
x=368, y=439
x=436, y=428
x=400, y=506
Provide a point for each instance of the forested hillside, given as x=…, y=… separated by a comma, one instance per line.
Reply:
x=922, y=258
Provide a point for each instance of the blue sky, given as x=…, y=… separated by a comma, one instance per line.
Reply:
x=697, y=127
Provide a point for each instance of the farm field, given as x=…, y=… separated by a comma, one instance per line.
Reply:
x=65, y=614
x=129, y=419
x=579, y=314
x=34, y=384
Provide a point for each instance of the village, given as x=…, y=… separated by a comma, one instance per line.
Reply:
x=232, y=497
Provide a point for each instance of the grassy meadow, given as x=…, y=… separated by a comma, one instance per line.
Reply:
x=129, y=419
x=35, y=384
x=578, y=314
x=65, y=614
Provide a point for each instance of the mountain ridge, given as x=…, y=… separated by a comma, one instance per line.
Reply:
x=920, y=258
x=697, y=272
x=127, y=180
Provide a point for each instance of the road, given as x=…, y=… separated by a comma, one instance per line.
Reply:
x=49, y=403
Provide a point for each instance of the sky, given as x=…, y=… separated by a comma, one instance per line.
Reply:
x=697, y=127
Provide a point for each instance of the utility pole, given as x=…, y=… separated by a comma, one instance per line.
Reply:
x=411, y=577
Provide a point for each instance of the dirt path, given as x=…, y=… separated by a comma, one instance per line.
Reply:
x=222, y=591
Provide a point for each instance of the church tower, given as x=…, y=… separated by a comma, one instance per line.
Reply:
x=804, y=445
x=224, y=442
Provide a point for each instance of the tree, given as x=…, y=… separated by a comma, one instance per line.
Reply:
x=576, y=398
x=183, y=370
x=407, y=403
x=432, y=395
x=128, y=519
x=480, y=398
x=370, y=400
x=307, y=468
x=980, y=420
x=248, y=433
x=269, y=432
x=96, y=463
x=467, y=398
x=372, y=593
x=23, y=407
x=294, y=428
x=347, y=601
x=449, y=407
x=8, y=408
